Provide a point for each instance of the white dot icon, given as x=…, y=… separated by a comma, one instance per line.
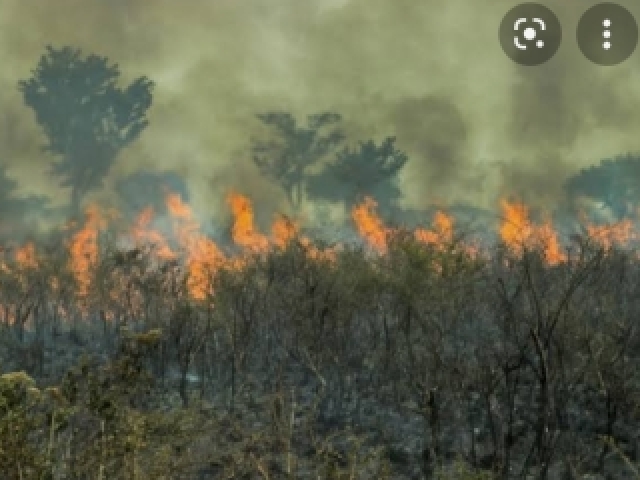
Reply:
x=539, y=44
x=606, y=23
x=529, y=33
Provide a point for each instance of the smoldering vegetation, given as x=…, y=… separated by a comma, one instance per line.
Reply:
x=447, y=289
x=427, y=360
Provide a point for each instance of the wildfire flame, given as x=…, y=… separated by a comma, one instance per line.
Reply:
x=83, y=249
x=369, y=225
x=202, y=258
x=519, y=233
x=616, y=234
x=142, y=234
x=283, y=231
x=26, y=256
x=441, y=233
x=243, y=232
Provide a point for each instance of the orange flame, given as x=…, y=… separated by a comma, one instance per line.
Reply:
x=26, y=256
x=518, y=233
x=442, y=232
x=203, y=258
x=83, y=249
x=616, y=234
x=283, y=231
x=370, y=225
x=143, y=234
x=203, y=255
x=243, y=231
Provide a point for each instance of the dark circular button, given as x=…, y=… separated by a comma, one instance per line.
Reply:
x=530, y=34
x=607, y=34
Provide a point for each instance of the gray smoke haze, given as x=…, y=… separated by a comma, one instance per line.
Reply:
x=476, y=125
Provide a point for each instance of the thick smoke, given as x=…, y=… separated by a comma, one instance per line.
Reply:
x=477, y=126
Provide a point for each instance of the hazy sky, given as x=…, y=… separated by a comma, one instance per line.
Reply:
x=476, y=125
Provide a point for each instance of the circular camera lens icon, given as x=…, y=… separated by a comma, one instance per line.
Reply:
x=530, y=34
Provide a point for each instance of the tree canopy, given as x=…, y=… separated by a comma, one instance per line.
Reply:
x=615, y=182
x=85, y=116
x=287, y=159
x=16, y=210
x=369, y=169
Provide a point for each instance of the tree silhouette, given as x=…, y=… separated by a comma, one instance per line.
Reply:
x=615, y=183
x=16, y=212
x=86, y=118
x=368, y=170
x=287, y=160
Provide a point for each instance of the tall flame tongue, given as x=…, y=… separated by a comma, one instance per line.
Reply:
x=243, y=231
x=441, y=233
x=203, y=257
x=369, y=225
x=84, y=251
x=518, y=233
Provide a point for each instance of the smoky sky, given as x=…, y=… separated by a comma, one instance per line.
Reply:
x=476, y=125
